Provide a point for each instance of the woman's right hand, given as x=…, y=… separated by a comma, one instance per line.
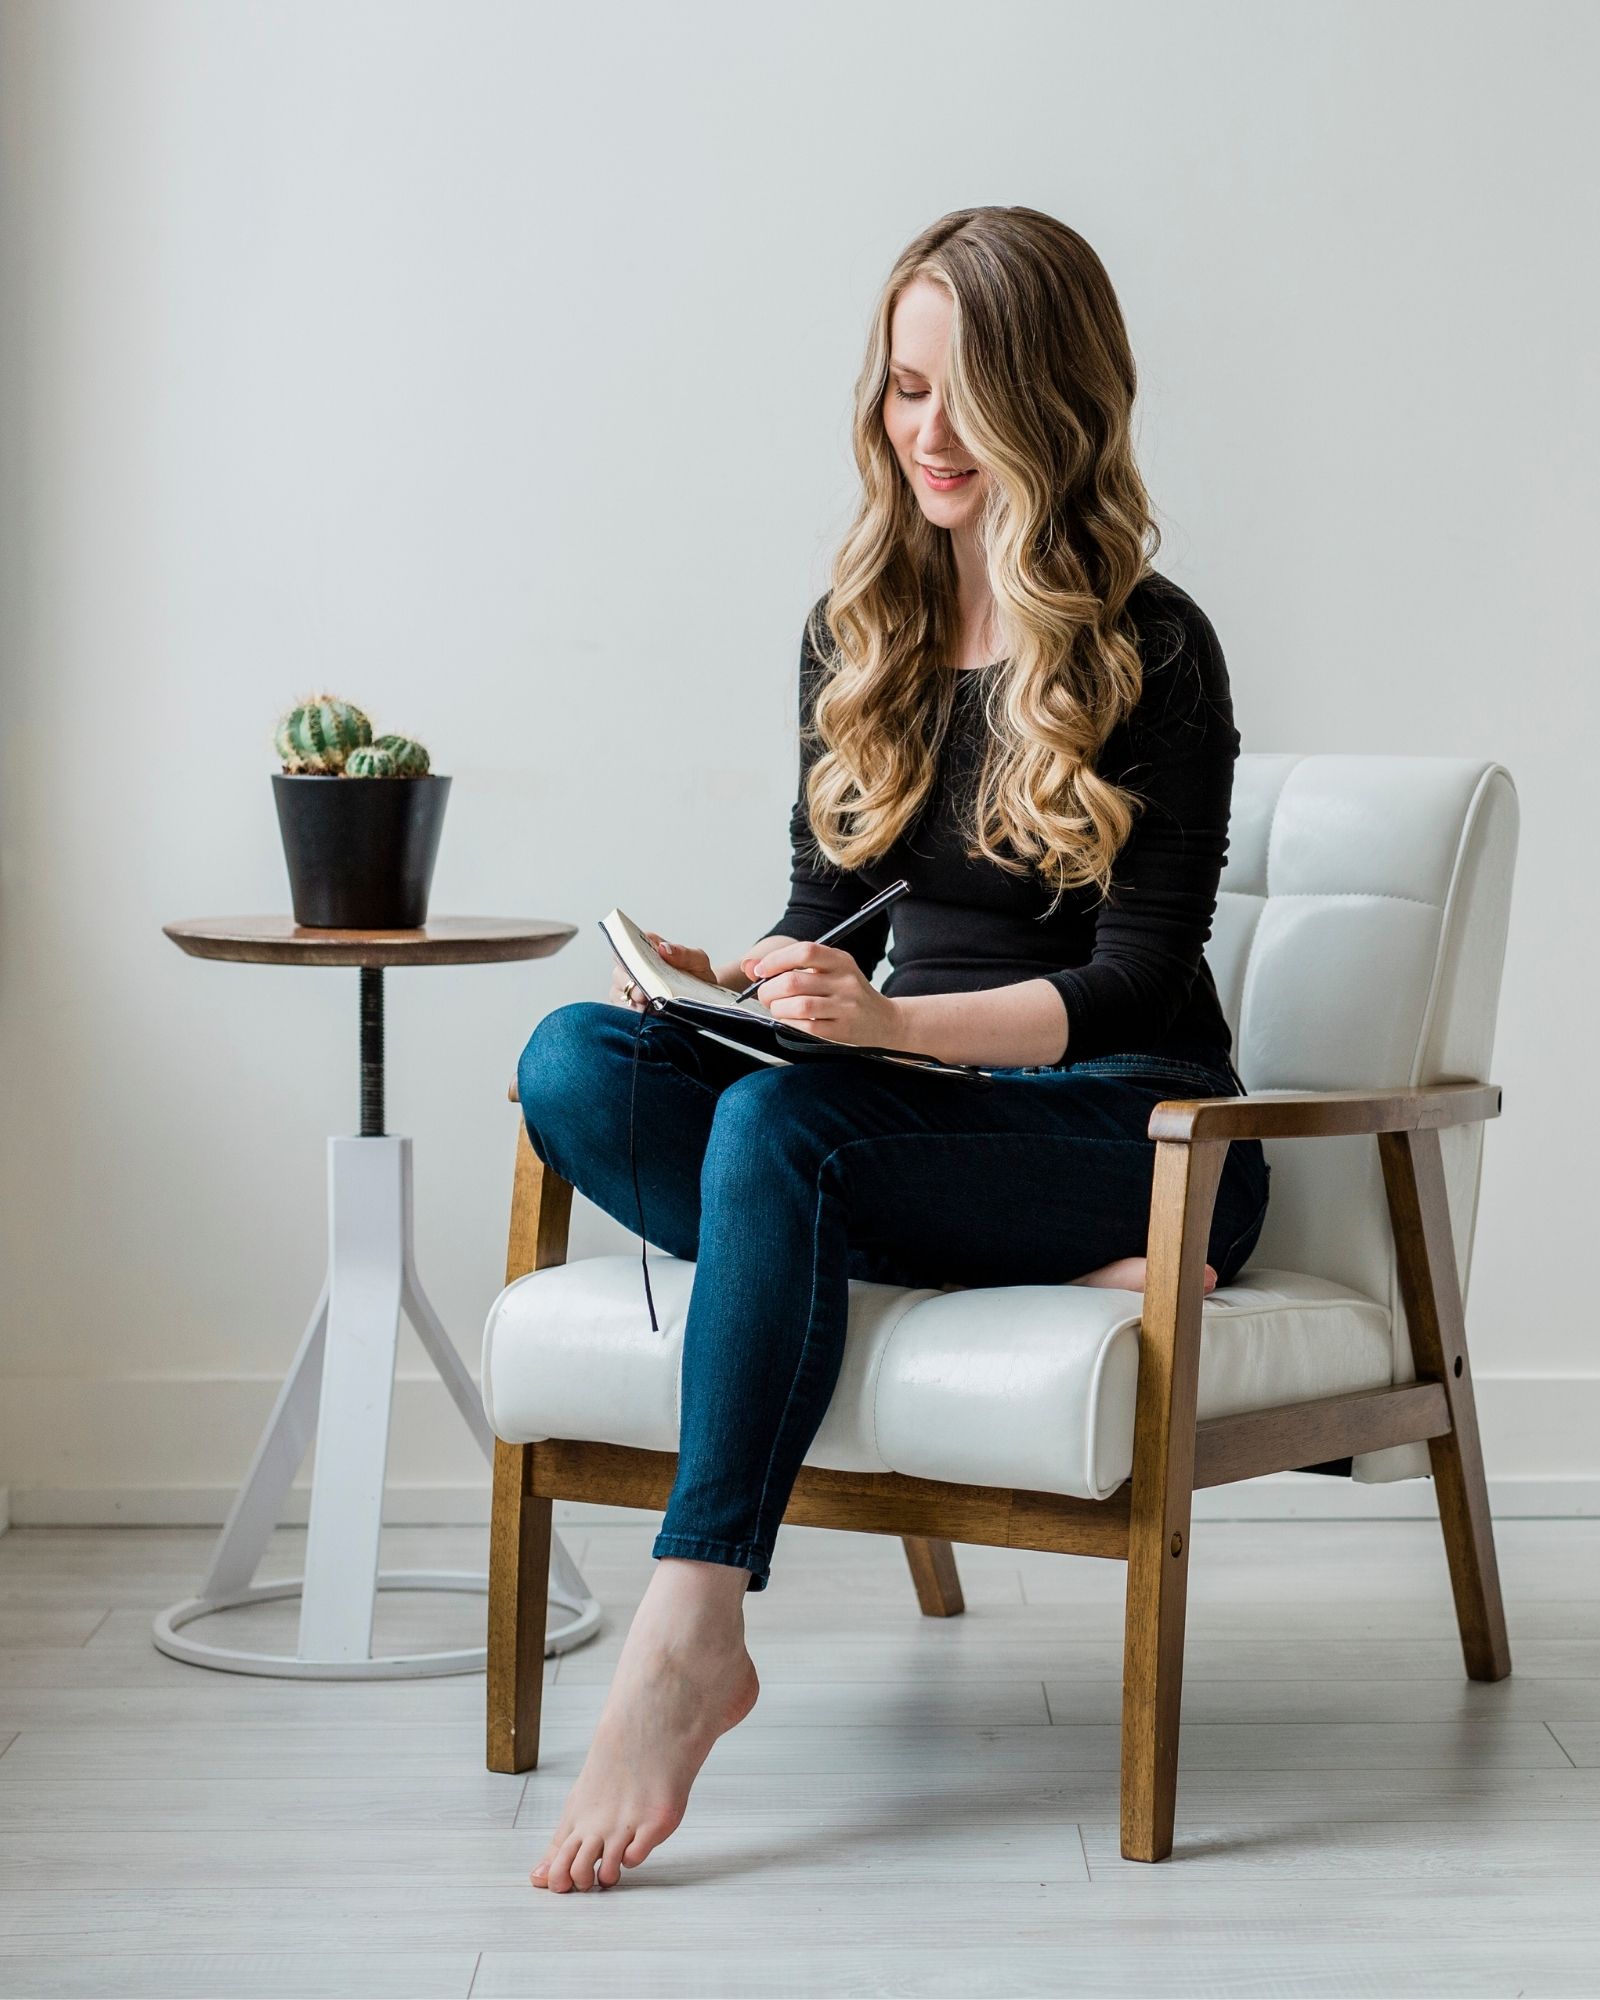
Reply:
x=619, y=996
x=624, y=993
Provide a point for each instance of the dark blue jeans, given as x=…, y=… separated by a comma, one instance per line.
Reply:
x=783, y=1183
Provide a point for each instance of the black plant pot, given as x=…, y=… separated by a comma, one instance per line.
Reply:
x=360, y=850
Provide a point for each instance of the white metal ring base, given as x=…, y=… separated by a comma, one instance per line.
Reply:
x=339, y=1390
x=386, y=1667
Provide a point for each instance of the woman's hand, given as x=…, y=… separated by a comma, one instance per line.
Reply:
x=683, y=956
x=823, y=990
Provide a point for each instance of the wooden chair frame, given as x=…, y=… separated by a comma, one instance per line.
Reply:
x=1146, y=1522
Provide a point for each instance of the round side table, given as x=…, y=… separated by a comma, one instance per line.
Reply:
x=340, y=1385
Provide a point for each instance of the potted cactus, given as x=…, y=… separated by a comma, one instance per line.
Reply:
x=360, y=818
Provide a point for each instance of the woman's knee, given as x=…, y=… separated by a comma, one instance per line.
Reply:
x=560, y=1056
x=774, y=1115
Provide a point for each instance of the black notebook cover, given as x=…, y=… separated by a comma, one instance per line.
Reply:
x=792, y=1044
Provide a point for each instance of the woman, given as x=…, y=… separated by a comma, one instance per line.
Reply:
x=1001, y=701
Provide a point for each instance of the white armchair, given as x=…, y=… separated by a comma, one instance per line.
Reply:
x=1358, y=948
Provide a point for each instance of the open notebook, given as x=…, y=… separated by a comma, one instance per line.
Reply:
x=746, y=1024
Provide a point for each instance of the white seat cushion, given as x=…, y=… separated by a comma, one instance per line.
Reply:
x=1028, y=1386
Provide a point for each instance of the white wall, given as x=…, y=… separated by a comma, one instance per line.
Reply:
x=491, y=364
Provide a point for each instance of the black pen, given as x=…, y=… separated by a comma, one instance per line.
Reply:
x=894, y=891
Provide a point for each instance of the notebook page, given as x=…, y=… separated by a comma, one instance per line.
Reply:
x=665, y=982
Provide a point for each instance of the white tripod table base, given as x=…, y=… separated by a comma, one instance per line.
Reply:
x=340, y=1388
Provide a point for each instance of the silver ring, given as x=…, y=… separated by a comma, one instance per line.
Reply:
x=629, y=990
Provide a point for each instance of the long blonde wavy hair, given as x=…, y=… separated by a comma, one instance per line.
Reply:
x=1039, y=386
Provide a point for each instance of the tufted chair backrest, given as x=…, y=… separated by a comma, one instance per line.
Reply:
x=1358, y=942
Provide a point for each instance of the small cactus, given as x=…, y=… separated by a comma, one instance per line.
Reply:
x=410, y=758
x=369, y=760
x=315, y=738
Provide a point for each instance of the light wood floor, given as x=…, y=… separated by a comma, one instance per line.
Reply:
x=915, y=1807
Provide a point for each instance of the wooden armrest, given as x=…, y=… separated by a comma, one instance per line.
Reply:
x=1294, y=1114
x=513, y=1095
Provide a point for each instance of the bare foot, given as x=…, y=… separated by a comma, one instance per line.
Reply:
x=1127, y=1274
x=683, y=1679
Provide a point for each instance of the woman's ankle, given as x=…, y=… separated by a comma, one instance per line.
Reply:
x=707, y=1596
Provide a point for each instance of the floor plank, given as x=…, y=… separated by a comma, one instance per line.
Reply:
x=264, y=1975
x=1556, y=1702
x=465, y=1798
x=697, y=1898
x=1068, y=1971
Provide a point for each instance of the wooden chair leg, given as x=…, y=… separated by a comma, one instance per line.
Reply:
x=519, y=1609
x=1184, y=1195
x=519, y=1532
x=933, y=1571
x=1413, y=1173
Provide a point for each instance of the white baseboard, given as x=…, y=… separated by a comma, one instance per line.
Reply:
x=170, y=1451
x=1281, y=1497
x=1292, y=1496
x=207, y=1506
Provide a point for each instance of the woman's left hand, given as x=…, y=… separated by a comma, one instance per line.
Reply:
x=823, y=990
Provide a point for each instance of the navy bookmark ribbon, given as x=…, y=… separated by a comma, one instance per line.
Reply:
x=644, y=1247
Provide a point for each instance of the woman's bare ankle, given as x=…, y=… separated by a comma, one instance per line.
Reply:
x=691, y=1603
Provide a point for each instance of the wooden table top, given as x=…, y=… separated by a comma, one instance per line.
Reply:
x=279, y=940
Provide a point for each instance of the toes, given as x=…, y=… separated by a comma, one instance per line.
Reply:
x=560, y=1875
x=583, y=1861
x=594, y=1861
x=651, y=1833
x=611, y=1860
x=539, y=1874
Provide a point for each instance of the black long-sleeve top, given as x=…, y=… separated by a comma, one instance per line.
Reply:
x=1132, y=970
